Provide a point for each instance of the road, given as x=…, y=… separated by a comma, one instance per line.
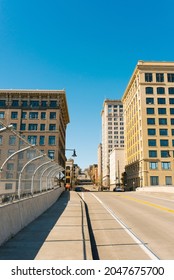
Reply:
x=100, y=226
x=132, y=225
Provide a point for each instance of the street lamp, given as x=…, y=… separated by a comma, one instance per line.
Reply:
x=74, y=152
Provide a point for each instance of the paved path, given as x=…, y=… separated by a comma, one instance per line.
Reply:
x=60, y=233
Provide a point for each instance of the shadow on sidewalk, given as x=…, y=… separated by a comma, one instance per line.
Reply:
x=26, y=244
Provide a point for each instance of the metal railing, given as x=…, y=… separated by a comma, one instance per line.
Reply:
x=24, y=169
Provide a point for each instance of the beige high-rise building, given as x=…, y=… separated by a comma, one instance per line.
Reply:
x=149, y=125
x=112, y=134
x=41, y=116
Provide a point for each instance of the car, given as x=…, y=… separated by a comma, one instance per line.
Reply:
x=118, y=189
x=79, y=189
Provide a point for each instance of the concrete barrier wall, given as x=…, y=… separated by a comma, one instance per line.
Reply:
x=17, y=215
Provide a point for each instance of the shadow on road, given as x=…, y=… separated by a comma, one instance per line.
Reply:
x=26, y=244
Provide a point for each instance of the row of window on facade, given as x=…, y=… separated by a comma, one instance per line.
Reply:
x=30, y=154
x=162, y=153
x=31, y=103
x=154, y=180
x=159, y=90
x=34, y=127
x=159, y=77
x=159, y=101
x=162, y=142
x=31, y=115
x=166, y=165
x=32, y=139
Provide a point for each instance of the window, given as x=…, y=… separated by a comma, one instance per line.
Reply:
x=164, y=154
x=32, y=139
x=32, y=126
x=24, y=115
x=164, y=143
x=14, y=115
x=53, y=103
x=42, y=126
x=172, y=121
x=10, y=166
x=153, y=165
x=150, y=111
x=12, y=140
x=162, y=111
x=33, y=115
x=163, y=121
x=2, y=115
x=171, y=90
x=10, y=152
x=170, y=77
x=52, y=115
x=171, y=100
x=43, y=115
x=152, y=153
x=24, y=103
x=23, y=126
x=14, y=125
x=168, y=180
x=52, y=127
x=149, y=90
x=163, y=131
x=31, y=154
x=151, y=121
x=149, y=100
x=51, y=140
x=151, y=131
x=51, y=154
x=8, y=186
x=2, y=103
x=148, y=77
x=152, y=142
x=165, y=165
x=172, y=131
x=159, y=77
x=42, y=140
x=15, y=103
x=171, y=111
x=154, y=180
x=160, y=90
x=44, y=103
x=1, y=139
x=161, y=101
x=34, y=103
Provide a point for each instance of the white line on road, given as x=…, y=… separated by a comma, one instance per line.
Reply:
x=131, y=234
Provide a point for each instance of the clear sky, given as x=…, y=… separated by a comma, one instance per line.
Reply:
x=89, y=48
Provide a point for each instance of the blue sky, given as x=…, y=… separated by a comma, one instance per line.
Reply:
x=89, y=48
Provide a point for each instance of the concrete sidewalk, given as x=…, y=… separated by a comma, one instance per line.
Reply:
x=167, y=189
x=58, y=234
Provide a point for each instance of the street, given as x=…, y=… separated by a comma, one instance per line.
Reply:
x=132, y=225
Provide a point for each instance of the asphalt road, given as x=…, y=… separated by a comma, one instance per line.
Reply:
x=132, y=225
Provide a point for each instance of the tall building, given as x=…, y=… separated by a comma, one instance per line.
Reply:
x=41, y=116
x=149, y=124
x=112, y=134
x=117, y=167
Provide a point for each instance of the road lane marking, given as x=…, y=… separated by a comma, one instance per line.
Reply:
x=149, y=204
x=139, y=242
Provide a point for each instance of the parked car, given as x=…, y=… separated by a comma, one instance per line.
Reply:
x=118, y=189
x=79, y=189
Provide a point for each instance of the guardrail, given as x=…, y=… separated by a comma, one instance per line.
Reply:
x=24, y=169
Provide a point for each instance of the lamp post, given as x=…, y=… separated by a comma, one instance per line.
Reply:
x=74, y=152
